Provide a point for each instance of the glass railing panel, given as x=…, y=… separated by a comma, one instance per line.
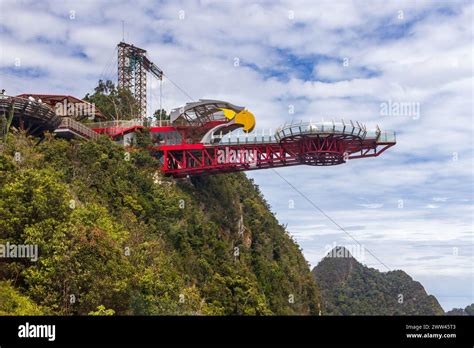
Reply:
x=339, y=128
x=387, y=137
x=371, y=134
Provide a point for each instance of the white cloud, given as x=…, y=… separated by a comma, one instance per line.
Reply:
x=425, y=57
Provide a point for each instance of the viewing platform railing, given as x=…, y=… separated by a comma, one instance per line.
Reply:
x=235, y=138
x=267, y=136
x=305, y=128
x=330, y=127
x=68, y=124
x=129, y=123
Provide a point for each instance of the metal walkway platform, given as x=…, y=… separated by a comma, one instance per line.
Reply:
x=31, y=115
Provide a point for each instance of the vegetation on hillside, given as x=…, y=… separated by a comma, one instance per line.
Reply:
x=350, y=288
x=116, y=237
x=469, y=310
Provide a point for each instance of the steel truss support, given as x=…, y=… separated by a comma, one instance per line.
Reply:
x=180, y=161
x=225, y=159
x=132, y=73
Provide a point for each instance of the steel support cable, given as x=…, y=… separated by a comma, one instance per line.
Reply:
x=149, y=92
x=179, y=88
x=104, y=73
x=161, y=95
x=161, y=100
x=329, y=218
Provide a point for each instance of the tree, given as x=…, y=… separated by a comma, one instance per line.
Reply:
x=114, y=103
x=82, y=265
x=160, y=114
x=5, y=123
x=114, y=234
x=102, y=311
x=13, y=303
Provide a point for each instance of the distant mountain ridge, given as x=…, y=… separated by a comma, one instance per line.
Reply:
x=350, y=288
x=469, y=310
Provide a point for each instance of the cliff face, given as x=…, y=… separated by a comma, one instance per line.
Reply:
x=114, y=236
x=350, y=288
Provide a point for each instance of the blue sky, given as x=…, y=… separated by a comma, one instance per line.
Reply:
x=412, y=207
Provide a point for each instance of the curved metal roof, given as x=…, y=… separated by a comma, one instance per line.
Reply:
x=202, y=111
x=52, y=100
x=30, y=114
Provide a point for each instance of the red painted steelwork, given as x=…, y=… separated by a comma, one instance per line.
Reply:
x=183, y=159
x=311, y=150
x=114, y=131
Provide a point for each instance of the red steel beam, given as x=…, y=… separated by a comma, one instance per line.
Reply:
x=199, y=159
